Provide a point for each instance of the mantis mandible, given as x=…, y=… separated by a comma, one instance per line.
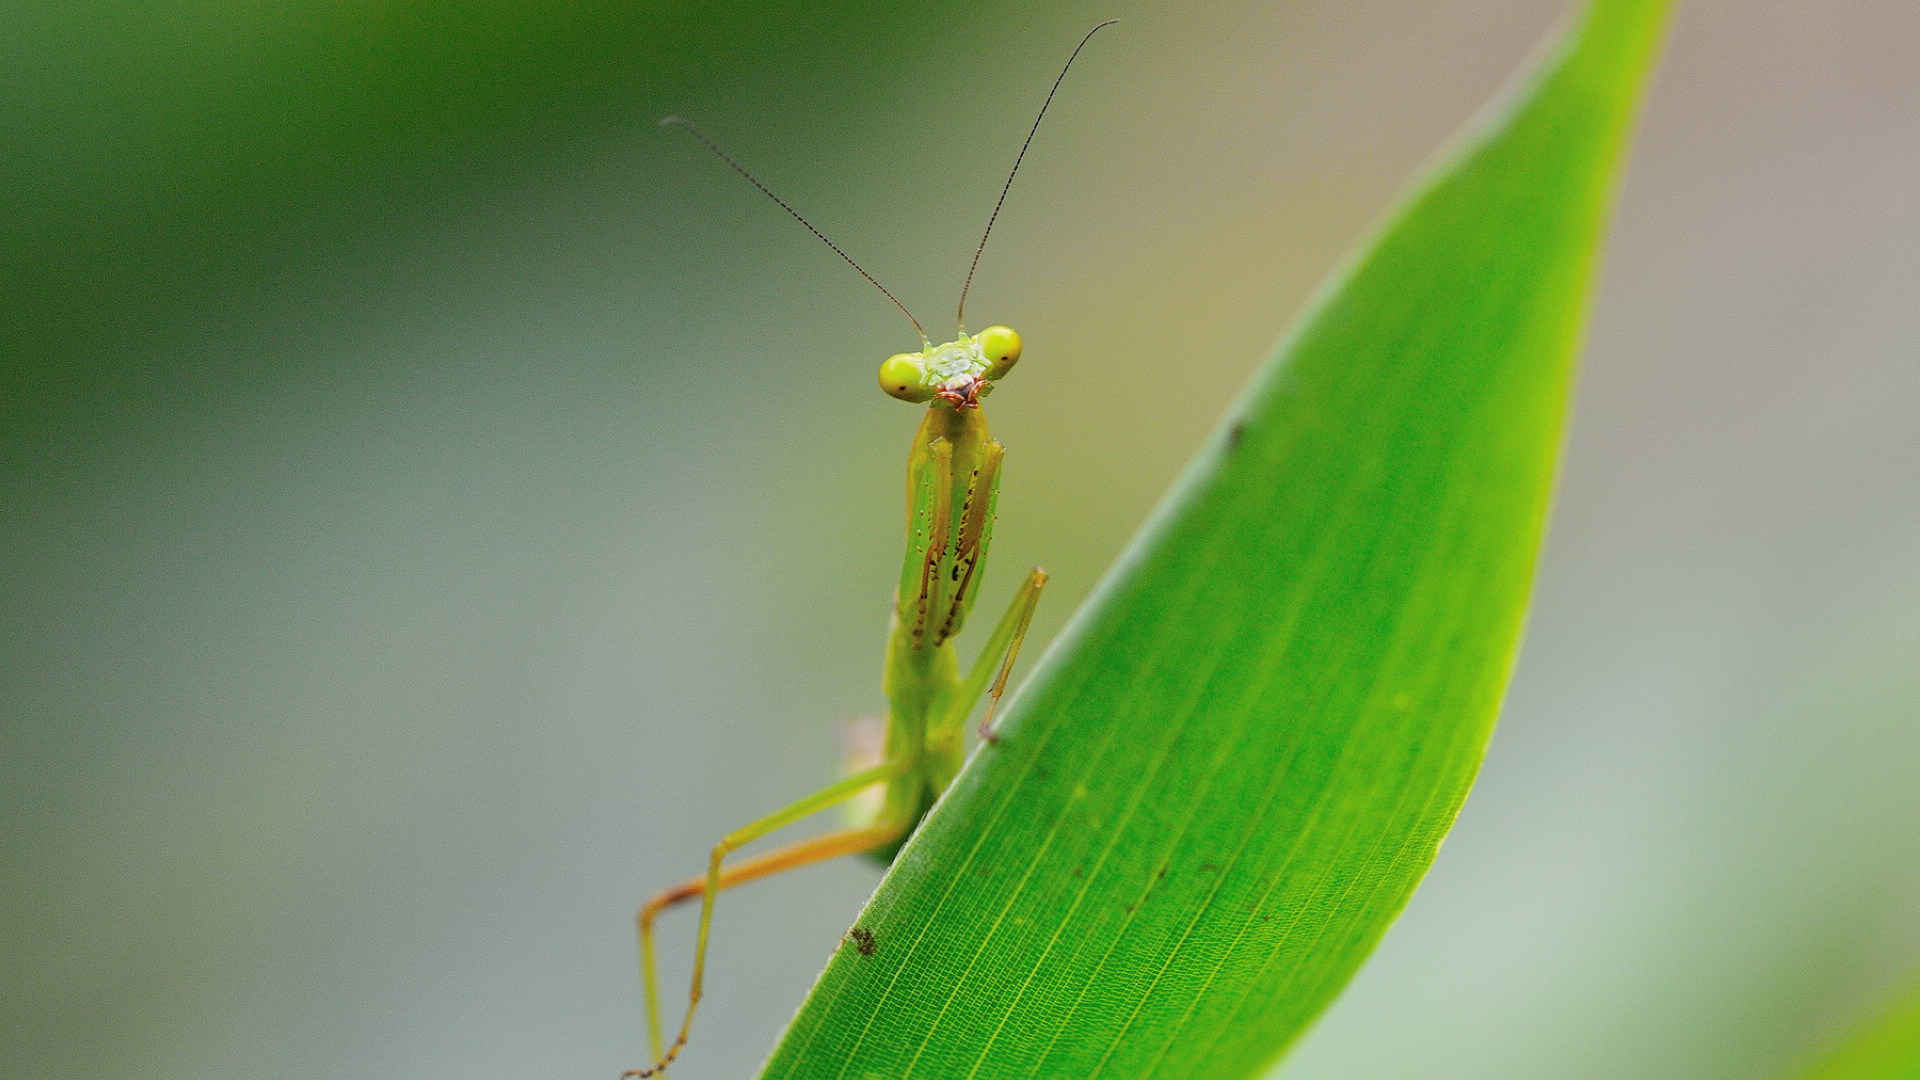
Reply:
x=953, y=484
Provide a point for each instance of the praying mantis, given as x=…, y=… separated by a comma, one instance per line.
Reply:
x=953, y=486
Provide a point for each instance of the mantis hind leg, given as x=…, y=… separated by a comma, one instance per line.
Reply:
x=715, y=880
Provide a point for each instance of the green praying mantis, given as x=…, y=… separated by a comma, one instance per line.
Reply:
x=953, y=485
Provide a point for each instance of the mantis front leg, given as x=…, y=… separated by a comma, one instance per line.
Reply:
x=1003, y=644
x=714, y=881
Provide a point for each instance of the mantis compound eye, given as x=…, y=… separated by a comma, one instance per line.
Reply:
x=1001, y=346
x=904, y=375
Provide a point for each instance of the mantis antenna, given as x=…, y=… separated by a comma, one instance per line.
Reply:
x=960, y=314
x=694, y=130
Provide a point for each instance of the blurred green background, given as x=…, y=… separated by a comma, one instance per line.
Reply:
x=438, y=503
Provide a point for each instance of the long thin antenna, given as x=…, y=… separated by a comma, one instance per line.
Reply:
x=694, y=130
x=960, y=314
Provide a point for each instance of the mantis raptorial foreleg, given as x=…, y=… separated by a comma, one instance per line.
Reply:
x=929, y=516
x=715, y=881
x=1004, y=646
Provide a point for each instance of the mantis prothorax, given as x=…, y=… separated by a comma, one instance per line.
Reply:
x=953, y=484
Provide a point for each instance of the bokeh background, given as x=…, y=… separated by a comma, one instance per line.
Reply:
x=437, y=503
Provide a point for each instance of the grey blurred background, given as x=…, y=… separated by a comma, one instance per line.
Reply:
x=438, y=504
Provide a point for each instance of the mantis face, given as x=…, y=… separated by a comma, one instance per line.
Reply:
x=959, y=373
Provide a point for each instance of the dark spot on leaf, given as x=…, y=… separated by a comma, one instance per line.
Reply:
x=863, y=940
x=1235, y=434
x=1209, y=868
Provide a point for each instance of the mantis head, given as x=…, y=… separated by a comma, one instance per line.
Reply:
x=959, y=373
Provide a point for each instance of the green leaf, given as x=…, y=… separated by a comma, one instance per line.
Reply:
x=1888, y=1048
x=1225, y=779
